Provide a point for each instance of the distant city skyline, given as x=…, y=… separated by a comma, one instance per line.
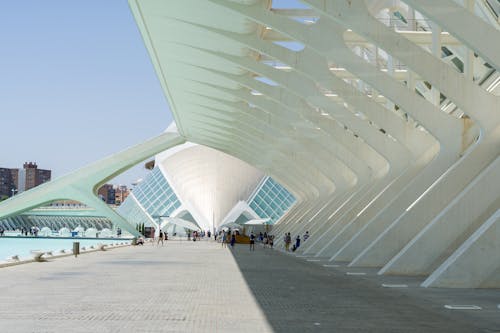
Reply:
x=77, y=85
x=16, y=180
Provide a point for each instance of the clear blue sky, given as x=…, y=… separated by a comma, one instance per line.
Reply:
x=76, y=84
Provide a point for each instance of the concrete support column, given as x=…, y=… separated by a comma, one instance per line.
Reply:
x=350, y=242
x=479, y=200
x=469, y=54
x=470, y=266
x=436, y=51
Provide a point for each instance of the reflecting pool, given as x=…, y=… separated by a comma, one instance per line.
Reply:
x=22, y=246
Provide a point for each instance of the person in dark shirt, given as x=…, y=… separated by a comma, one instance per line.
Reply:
x=297, y=242
x=233, y=239
x=161, y=238
x=252, y=242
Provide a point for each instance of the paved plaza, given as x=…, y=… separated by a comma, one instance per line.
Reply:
x=201, y=287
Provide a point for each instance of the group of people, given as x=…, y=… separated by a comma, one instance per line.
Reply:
x=263, y=238
x=288, y=241
x=196, y=235
x=227, y=237
x=266, y=239
x=33, y=231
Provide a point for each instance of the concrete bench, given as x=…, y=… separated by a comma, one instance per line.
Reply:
x=13, y=258
x=37, y=255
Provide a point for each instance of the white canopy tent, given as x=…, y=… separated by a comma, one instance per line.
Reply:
x=258, y=221
x=232, y=225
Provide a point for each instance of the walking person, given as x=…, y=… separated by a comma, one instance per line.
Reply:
x=224, y=240
x=288, y=241
x=252, y=242
x=233, y=239
x=297, y=242
x=160, y=239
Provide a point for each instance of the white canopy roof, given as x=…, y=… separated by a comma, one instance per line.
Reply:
x=231, y=225
x=258, y=222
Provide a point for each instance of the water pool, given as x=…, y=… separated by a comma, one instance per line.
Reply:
x=22, y=246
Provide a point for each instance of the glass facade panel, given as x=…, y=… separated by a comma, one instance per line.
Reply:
x=156, y=197
x=272, y=200
x=133, y=213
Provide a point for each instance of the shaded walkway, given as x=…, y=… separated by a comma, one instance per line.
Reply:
x=301, y=296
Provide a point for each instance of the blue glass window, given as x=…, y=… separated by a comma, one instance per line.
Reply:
x=272, y=200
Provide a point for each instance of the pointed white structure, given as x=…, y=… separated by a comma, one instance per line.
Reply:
x=212, y=182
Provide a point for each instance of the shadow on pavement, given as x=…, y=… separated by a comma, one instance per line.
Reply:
x=300, y=296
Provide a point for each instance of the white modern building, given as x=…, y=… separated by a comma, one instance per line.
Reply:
x=207, y=188
x=378, y=122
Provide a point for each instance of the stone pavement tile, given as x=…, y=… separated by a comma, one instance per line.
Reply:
x=301, y=296
x=201, y=287
x=181, y=287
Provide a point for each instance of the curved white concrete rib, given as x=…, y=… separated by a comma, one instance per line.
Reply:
x=277, y=130
x=377, y=32
x=285, y=27
x=477, y=103
x=464, y=25
x=313, y=62
x=330, y=80
x=82, y=184
x=216, y=121
x=253, y=83
x=395, y=163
